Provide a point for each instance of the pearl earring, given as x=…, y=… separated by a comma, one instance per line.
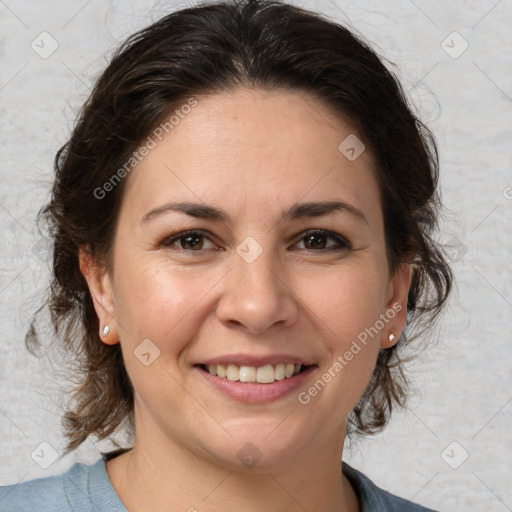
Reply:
x=391, y=338
x=106, y=330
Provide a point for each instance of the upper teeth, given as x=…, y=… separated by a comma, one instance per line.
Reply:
x=262, y=374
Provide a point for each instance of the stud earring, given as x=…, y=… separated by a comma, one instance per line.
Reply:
x=106, y=330
x=391, y=338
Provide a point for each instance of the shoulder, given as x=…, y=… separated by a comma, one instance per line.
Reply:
x=373, y=498
x=43, y=494
x=79, y=488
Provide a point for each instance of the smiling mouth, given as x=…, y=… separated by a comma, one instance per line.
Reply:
x=258, y=374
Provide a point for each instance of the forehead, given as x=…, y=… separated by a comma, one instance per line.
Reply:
x=249, y=146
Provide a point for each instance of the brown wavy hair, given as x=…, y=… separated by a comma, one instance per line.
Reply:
x=214, y=48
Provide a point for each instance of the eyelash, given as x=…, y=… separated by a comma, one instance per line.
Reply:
x=343, y=244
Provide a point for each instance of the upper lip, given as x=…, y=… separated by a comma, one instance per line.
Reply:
x=256, y=361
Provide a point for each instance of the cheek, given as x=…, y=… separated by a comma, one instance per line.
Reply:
x=162, y=303
x=346, y=306
x=345, y=301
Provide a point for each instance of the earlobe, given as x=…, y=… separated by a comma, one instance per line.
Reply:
x=396, y=307
x=100, y=288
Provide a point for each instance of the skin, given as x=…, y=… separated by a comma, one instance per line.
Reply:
x=253, y=154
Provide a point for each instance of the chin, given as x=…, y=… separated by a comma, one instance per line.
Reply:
x=254, y=444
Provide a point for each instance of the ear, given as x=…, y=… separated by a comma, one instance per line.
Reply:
x=396, y=306
x=100, y=287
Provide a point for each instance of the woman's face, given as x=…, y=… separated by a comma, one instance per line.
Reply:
x=274, y=273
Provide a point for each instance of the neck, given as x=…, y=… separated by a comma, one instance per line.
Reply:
x=160, y=476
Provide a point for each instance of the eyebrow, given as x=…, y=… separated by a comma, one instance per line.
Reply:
x=295, y=212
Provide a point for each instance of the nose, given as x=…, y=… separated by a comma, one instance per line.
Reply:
x=256, y=296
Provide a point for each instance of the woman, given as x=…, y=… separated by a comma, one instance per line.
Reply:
x=242, y=222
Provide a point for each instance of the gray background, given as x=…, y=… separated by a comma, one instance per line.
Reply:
x=461, y=401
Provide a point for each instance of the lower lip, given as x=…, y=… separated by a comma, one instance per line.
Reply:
x=254, y=392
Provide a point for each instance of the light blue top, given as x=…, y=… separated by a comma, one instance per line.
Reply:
x=88, y=489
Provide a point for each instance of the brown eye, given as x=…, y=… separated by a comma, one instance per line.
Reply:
x=188, y=241
x=191, y=241
x=315, y=241
x=321, y=240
